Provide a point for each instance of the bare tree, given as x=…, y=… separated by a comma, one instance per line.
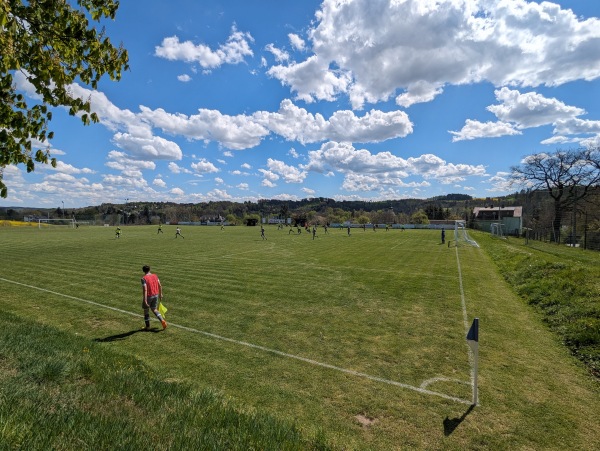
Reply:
x=566, y=175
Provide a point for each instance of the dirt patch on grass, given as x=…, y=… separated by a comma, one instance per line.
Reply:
x=365, y=420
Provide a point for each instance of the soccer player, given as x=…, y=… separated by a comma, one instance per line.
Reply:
x=178, y=233
x=118, y=232
x=152, y=294
x=262, y=233
x=443, y=235
x=159, y=228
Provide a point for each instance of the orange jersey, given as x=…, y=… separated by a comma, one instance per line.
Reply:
x=152, y=284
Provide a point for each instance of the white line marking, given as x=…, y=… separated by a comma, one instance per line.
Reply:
x=465, y=321
x=253, y=346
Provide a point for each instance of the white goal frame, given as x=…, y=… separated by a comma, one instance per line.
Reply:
x=461, y=236
x=497, y=230
x=67, y=222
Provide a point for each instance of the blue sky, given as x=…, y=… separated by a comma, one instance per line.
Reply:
x=367, y=99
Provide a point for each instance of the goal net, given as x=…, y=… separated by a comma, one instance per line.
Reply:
x=461, y=236
x=45, y=223
x=497, y=230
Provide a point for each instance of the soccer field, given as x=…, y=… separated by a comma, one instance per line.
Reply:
x=361, y=336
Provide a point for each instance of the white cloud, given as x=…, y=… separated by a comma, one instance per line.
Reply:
x=122, y=162
x=246, y=166
x=243, y=186
x=297, y=42
x=204, y=167
x=177, y=192
x=70, y=169
x=364, y=170
x=269, y=175
x=290, y=174
x=184, y=78
x=159, y=182
x=475, y=129
x=268, y=183
x=309, y=192
x=295, y=123
x=234, y=132
x=233, y=51
x=176, y=169
x=292, y=152
x=219, y=180
x=530, y=109
x=280, y=55
x=357, y=46
x=518, y=111
x=154, y=147
x=312, y=79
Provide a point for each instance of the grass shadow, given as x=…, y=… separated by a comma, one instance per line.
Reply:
x=450, y=424
x=124, y=335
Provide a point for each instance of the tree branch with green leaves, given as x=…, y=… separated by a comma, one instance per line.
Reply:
x=53, y=45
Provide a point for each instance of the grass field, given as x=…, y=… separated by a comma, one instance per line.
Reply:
x=359, y=340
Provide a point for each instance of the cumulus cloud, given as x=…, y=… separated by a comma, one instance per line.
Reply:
x=233, y=51
x=204, y=167
x=517, y=111
x=280, y=55
x=357, y=46
x=176, y=169
x=233, y=132
x=155, y=147
x=475, y=129
x=297, y=42
x=122, y=162
x=364, y=170
x=184, y=78
x=70, y=169
x=295, y=123
x=268, y=183
x=159, y=182
x=289, y=174
x=530, y=109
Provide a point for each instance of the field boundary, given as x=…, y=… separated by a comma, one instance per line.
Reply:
x=262, y=348
x=465, y=321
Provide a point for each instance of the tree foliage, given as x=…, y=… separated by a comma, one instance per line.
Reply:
x=52, y=45
x=568, y=176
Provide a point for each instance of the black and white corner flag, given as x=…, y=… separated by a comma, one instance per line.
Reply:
x=473, y=335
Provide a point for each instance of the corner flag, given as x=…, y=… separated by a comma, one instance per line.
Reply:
x=162, y=309
x=473, y=334
x=473, y=341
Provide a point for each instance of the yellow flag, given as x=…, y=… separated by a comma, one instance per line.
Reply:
x=162, y=309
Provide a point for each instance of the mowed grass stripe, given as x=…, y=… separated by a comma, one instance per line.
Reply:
x=384, y=305
x=214, y=295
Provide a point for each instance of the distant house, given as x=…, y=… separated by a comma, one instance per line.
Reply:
x=511, y=218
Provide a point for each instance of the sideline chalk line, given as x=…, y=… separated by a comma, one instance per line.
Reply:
x=465, y=320
x=421, y=389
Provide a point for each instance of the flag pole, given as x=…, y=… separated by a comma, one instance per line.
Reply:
x=475, y=365
x=473, y=341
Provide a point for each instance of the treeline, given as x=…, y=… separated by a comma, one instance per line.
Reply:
x=537, y=211
x=319, y=209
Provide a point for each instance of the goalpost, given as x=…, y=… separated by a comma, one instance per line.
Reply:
x=43, y=223
x=461, y=236
x=496, y=229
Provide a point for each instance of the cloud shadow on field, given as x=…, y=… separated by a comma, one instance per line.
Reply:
x=450, y=424
x=123, y=335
